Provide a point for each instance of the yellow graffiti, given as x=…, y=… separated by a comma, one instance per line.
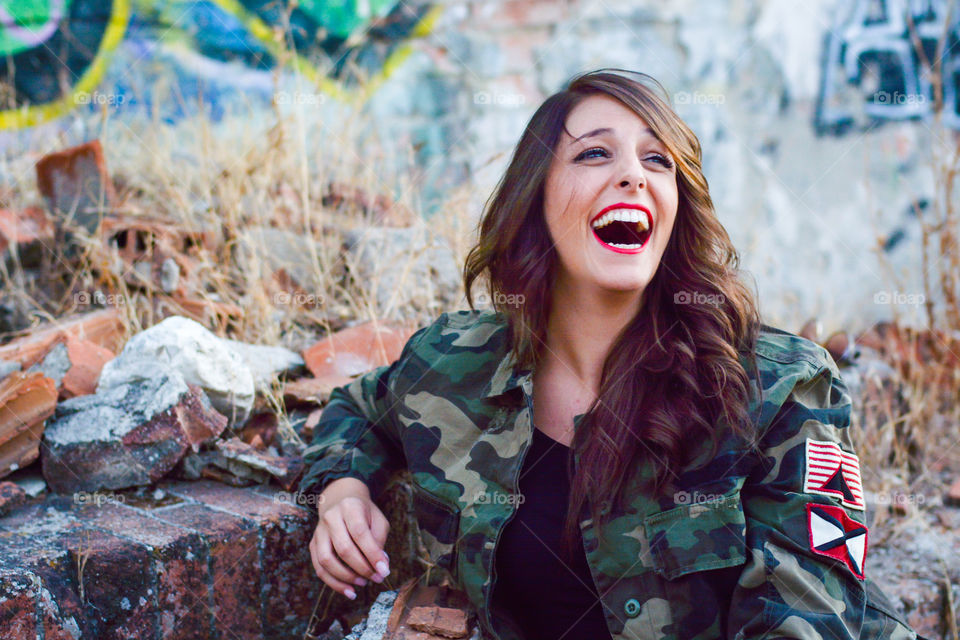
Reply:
x=271, y=38
x=30, y=115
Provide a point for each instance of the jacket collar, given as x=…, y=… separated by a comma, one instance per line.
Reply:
x=507, y=377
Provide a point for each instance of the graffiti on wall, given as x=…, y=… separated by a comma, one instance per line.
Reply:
x=57, y=52
x=873, y=72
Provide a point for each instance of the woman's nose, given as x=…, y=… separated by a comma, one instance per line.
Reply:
x=632, y=176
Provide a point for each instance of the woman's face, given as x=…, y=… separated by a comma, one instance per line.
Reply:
x=610, y=199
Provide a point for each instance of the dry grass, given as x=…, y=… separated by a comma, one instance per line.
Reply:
x=289, y=172
x=909, y=419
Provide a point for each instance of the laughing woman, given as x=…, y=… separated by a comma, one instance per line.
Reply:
x=620, y=449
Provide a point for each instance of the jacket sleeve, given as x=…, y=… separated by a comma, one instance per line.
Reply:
x=803, y=504
x=358, y=434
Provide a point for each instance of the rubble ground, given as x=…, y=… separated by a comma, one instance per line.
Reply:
x=168, y=339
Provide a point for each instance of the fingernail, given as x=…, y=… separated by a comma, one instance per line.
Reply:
x=350, y=593
x=377, y=578
x=383, y=568
x=360, y=582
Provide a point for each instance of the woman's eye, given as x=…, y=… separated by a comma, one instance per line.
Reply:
x=661, y=159
x=596, y=152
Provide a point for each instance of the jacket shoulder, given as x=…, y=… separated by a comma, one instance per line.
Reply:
x=459, y=334
x=780, y=350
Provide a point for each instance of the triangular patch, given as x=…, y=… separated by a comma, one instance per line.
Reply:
x=831, y=471
x=836, y=535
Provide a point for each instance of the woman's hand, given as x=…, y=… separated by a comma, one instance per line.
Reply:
x=347, y=546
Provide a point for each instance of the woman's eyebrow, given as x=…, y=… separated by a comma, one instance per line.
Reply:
x=603, y=130
x=590, y=134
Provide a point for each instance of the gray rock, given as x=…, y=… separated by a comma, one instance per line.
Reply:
x=401, y=265
x=195, y=353
x=128, y=434
x=266, y=362
x=55, y=364
x=375, y=625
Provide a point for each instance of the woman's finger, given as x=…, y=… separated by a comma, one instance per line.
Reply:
x=359, y=526
x=346, y=548
x=333, y=571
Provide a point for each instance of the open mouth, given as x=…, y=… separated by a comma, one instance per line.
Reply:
x=623, y=230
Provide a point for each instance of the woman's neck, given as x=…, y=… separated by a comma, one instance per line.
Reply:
x=581, y=330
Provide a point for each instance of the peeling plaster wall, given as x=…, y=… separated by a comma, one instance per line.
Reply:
x=806, y=203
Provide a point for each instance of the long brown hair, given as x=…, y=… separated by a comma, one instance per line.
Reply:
x=673, y=372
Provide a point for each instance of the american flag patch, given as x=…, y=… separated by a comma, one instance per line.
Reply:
x=831, y=471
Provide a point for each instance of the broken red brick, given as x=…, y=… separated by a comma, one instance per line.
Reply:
x=104, y=328
x=313, y=390
x=28, y=230
x=811, y=330
x=356, y=350
x=26, y=400
x=439, y=621
x=86, y=361
x=75, y=183
x=286, y=469
x=422, y=612
x=144, y=245
x=260, y=429
x=838, y=345
x=399, y=604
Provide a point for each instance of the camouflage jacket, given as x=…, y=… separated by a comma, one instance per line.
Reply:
x=769, y=543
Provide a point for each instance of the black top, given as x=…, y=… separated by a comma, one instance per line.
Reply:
x=551, y=599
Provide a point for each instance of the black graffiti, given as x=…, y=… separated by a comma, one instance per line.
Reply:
x=872, y=71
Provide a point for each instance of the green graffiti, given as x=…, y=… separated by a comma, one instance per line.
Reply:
x=57, y=51
x=28, y=23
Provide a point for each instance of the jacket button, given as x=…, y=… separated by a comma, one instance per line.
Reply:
x=632, y=607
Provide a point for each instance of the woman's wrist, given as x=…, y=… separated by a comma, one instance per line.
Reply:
x=342, y=488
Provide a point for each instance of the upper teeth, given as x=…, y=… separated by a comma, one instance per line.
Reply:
x=623, y=215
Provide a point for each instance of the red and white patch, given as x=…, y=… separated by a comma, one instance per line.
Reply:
x=831, y=471
x=836, y=535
